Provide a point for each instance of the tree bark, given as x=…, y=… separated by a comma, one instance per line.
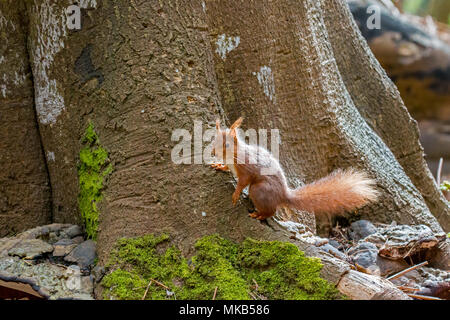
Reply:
x=320, y=125
x=381, y=105
x=148, y=72
x=25, y=195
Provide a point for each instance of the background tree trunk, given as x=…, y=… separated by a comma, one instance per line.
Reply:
x=381, y=105
x=24, y=187
x=309, y=102
x=415, y=55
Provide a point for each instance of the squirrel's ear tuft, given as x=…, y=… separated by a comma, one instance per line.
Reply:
x=237, y=123
x=218, y=124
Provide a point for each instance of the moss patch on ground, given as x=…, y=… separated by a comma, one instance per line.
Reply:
x=93, y=168
x=272, y=269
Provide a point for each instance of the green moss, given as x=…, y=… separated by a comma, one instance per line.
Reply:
x=280, y=270
x=92, y=170
x=445, y=186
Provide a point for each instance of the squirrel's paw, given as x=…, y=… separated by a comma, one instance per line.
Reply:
x=257, y=216
x=253, y=215
x=220, y=167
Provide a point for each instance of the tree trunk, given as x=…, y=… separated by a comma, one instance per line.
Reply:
x=24, y=187
x=320, y=125
x=381, y=105
x=137, y=71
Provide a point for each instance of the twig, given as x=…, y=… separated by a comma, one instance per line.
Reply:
x=408, y=289
x=27, y=262
x=419, y=296
x=160, y=284
x=146, y=290
x=401, y=273
x=439, y=172
x=253, y=296
x=215, y=292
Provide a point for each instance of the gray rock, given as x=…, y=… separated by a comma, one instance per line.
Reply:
x=98, y=272
x=53, y=237
x=361, y=229
x=364, y=256
x=6, y=244
x=64, y=242
x=78, y=239
x=333, y=251
x=42, y=231
x=399, y=242
x=87, y=284
x=366, y=259
x=63, y=248
x=84, y=254
x=30, y=249
x=334, y=243
x=50, y=279
x=73, y=231
x=439, y=256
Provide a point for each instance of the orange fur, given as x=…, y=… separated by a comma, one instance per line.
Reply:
x=336, y=193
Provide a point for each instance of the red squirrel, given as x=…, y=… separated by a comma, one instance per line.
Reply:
x=341, y=191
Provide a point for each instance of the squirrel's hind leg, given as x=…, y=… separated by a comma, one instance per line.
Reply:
x=260, y=216
x=260, y=194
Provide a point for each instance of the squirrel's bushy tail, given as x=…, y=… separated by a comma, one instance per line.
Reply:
x=336, y=193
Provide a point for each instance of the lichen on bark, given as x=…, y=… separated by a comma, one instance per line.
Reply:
x=150, y=267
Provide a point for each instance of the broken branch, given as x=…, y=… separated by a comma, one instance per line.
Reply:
x=401, y=273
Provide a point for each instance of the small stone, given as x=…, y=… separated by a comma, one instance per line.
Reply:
x=53, y=237
x=63, y=247
x=334, y=243
x=30, y=249
x=366, y=258
x=98, y=272
x=87, y=284
x=78, y=239
x=439, y=257
x=321, y=241
x=333, y=251
x=84, y=254
x=361, y=229
x=73, y=231
x=64, y=242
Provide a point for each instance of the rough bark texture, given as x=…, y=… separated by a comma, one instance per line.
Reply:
x=147, y=73
x=379, y=102
x=24, y=187
x=302, y=93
